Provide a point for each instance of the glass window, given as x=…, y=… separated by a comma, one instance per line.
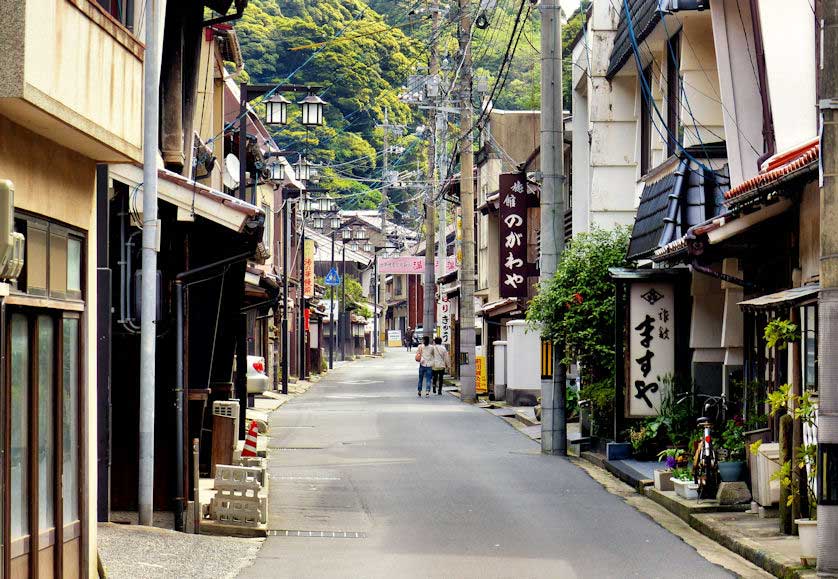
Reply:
x=810, y=348
x=46, y=423
x=36, y=259
x=71, y=419
x=58, y=265
x=74, y=266
x=20, y=426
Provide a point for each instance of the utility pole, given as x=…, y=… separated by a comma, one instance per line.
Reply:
x=345, y=326
x=467, y=335
x=828, y=300
x=382, y=286
x=286, y=239
x=148, y=315
x=553, y=391
x=430, y=211
x=332, y=325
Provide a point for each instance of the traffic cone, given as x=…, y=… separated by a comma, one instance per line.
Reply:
x=250, y=440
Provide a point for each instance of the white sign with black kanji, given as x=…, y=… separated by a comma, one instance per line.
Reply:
x=651, y=345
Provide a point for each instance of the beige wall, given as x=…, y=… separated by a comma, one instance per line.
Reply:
x=59, y=184
x=73, y=75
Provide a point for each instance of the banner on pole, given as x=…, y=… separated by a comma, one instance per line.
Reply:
x=308, y=269
x=411, y=264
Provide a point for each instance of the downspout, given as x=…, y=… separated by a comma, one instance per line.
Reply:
x=181, y=282
x=768, y=136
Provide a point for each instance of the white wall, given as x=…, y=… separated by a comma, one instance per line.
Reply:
x=788, y=32
x=523, y=356
x=738, y=85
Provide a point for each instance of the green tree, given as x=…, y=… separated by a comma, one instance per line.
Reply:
x=576, y=308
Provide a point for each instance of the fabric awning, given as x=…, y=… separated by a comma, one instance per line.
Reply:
x=786, y=298
x=188, y=195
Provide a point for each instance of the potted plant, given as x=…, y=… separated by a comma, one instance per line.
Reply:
x=805, y=458
x=663, y=478
x=685, y=486
x=732, y=449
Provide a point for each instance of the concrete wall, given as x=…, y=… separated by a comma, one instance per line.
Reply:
x=62, y=189
x=518, y=133
x=73, y=75
x=788, y=32
x=702, y=118
x=738, y=85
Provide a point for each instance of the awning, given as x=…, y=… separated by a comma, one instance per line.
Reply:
x=498, y=308
x=785, y=298
x=188, y=195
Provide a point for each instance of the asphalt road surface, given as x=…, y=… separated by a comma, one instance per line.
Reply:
x=368, y=480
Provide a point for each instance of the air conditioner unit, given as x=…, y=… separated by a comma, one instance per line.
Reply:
x=11, y=243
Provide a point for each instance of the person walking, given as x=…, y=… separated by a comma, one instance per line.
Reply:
x=423, y=356
x=439, y=363
x=408, y=338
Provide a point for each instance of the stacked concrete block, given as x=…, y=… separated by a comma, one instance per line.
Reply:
x=237, y=500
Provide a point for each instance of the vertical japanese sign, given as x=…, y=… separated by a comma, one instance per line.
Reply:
x=458, y=242
x=651, y=345
x=308, y=269
x=481, y=379
x=513, y=236
x=443, y=316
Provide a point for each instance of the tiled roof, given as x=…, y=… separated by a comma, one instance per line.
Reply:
x=799, y=159
x=645, y=16
x=671, y=205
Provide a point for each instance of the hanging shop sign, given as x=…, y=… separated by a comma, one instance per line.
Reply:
x=513, y=236
x=411, y=264
x=651, y=342
x=308, y=269
x=443, y=315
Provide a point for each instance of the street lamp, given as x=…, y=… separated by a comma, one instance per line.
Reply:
x=277, y=171
x=312, y=110
x=276, y=110
x=302, y=170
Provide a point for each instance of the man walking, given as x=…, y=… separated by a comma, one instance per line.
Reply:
x=423, y=356
x=439, y=363
x=408, y=338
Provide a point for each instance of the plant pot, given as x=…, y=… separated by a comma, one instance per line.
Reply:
x=808, y=531
x=685, y=488
x=663, y=479
x=731, y=471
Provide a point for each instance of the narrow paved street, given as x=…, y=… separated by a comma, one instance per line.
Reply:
x=431, y=487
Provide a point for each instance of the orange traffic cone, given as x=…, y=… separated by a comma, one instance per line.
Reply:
x=250, y=440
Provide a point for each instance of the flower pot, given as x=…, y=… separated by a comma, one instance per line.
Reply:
x=685, y=488
x=731, y=471
x=808, y=531
x=663, y=479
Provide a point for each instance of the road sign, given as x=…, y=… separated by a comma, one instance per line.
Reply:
x=332, y=278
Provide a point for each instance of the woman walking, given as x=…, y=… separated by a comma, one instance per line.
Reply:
x=423, y=356
x=439, y=362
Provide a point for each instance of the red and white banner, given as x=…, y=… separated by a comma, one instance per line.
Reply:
x=411, y=264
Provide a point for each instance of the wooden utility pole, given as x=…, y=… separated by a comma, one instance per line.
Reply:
x=385, y=168
x=467, y=334
x=828, y=300
x=553, y=391
x=430, y=210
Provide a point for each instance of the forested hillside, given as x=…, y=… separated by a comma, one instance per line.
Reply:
x=362, y=53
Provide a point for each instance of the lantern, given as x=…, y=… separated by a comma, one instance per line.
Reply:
x=276, y=110
x=312, y=110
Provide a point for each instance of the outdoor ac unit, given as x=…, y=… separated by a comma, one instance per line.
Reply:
x=11, y=243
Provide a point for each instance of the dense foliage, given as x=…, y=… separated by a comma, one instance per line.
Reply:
x=364, y=52
x=576, y=308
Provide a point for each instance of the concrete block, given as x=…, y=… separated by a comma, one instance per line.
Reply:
x=229, y=477
x=618, y=450
x=733, y=493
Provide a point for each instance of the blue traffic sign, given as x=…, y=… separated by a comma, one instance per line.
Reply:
x=332, y=278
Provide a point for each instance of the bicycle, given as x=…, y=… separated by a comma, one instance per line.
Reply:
x=706, y=461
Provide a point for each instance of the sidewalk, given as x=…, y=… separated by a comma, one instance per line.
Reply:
x=756, y=539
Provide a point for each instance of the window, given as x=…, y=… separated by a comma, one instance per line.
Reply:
x=43, y=370
x=675, y=136
x=645, y=122
x=809, y=353
x=122, y=10
x=53, y=262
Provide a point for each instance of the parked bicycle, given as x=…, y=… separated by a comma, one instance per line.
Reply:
x=706, y=460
